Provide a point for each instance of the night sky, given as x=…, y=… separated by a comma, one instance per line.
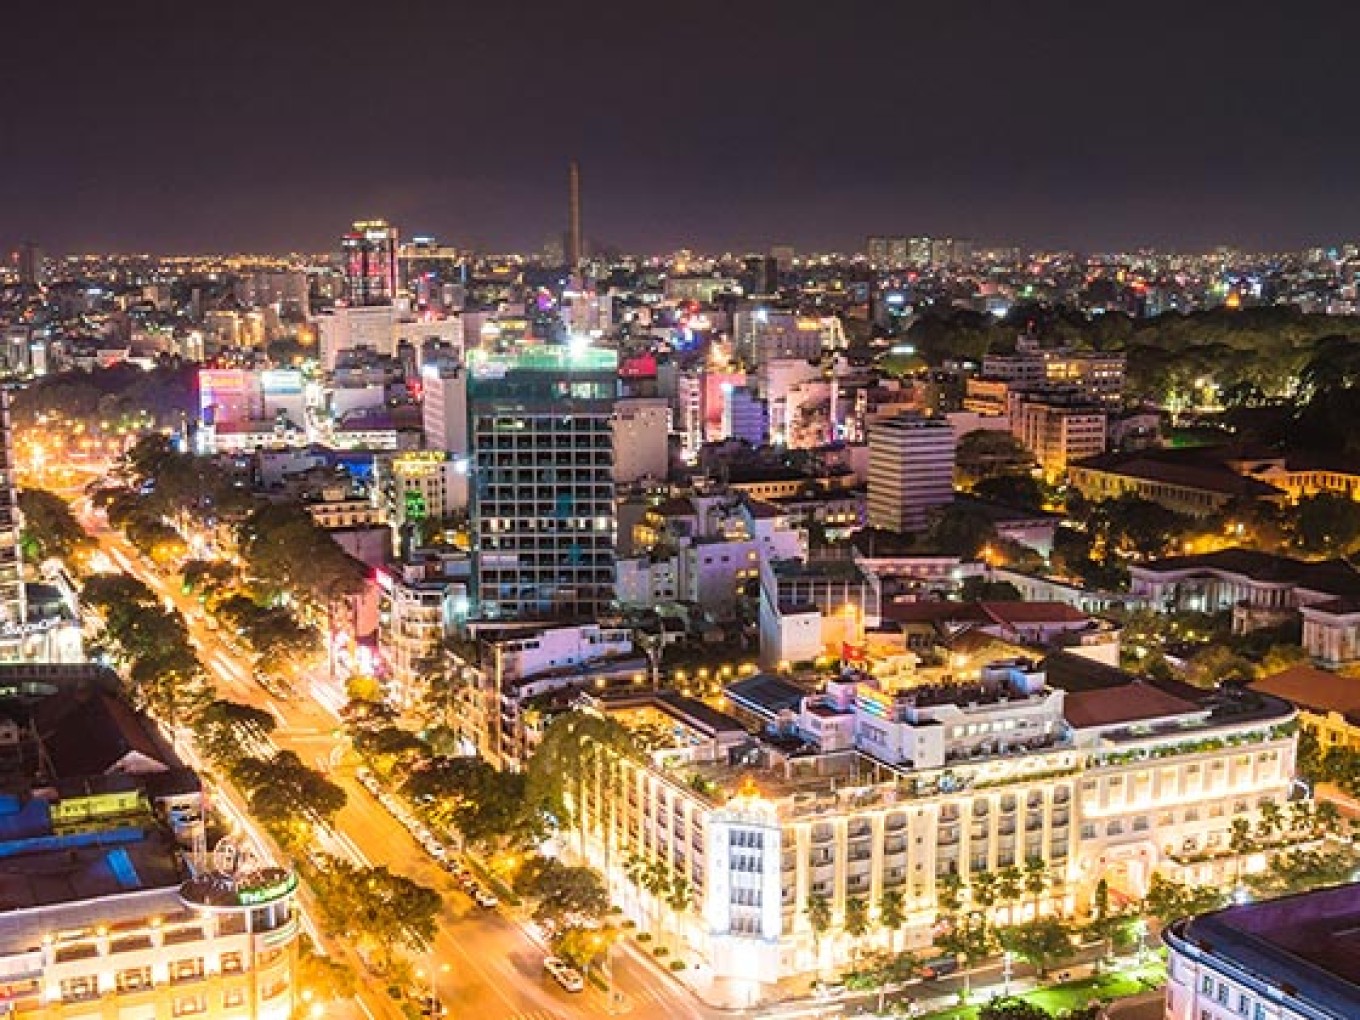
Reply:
x=200, y=126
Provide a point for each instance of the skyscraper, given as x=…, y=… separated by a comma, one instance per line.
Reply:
x=574, y=251
x=28, y=261
x=542, y=506
x=370, y=254
x=11, y=563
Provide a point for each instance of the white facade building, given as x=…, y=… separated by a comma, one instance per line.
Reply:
x=642, y=427
x=1287, y=959
x=872, y=788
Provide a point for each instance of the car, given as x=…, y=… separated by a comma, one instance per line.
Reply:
x=564, y=974
x=829, y=989
x=939, y=967
x=486, y=900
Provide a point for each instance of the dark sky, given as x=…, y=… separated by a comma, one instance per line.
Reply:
x=192, y=125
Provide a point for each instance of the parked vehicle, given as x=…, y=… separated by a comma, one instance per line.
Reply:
x=564, y=974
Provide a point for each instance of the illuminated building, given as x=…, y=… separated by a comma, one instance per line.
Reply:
x=1293, y=958
x=433, y=273
x=1057, y=428
x=1328, y=703
x=422, y=604
x=542, y=506
x=112, y=907
x=911, y=471
x=443, y=408
x=870, y=787
x=419, y=489
x=369, y=252
x=763, y=334
x=11, y=555
x=244, y=408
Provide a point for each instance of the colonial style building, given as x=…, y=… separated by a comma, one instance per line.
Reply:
x=868, y=788
x=1296, y=958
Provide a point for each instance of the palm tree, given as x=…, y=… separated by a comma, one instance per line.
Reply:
x=983, y=885
x=1036, y=880
x=892, y=912
x=1326, y=819
x=1008, y=884
x=818, y=910
x=1272, y=819
x=678, y=894
x=1240, y=842
x=1300, y=816
x=856, y=923
x=949, y=892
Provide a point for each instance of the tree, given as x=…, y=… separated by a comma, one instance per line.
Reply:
x=892, y=911
x=818, y=910
x=324, y=976
x=980, y=589
x=1013, y=490
x=1036, y=879
x=856, y=922
x=1012, y=1009
x=960, y=530
x=968, y=937
x=1240, y=842
x=1168, y=900
x=1327, y=523
x=1009, y=883
x=50, y=529
x=1041, y=942
x=1280, y=657
x=382, y=910
x=224, y=728
x=990, y=453
x=1215, y=665
x=983, y=887
x=284, y=792
x=949, y=892
x=563, y=891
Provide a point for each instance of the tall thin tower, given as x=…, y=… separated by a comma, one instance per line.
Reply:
x=574, y=216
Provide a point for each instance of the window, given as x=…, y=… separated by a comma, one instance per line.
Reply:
x=233, y=997
x=189, y=1005
x=133, y=979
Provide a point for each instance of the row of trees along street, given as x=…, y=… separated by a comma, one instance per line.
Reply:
x=149, y=645
x=277, y=575
x=502, y=818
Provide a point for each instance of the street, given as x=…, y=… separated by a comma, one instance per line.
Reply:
x=493, y=967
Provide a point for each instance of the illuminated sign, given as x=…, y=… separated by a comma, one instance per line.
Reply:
x=268, y=893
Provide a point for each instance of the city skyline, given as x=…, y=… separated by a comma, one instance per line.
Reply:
x=158, y=129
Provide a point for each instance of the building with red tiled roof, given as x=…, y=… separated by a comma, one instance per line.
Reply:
x=1328, y=703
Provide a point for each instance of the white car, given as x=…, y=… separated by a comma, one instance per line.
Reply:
x=564, y=974
x=486, y=900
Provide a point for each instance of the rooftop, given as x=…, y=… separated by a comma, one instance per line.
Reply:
x=1188, y=469
x=1315, y=689
x=1331, y=577
x=1307, y=945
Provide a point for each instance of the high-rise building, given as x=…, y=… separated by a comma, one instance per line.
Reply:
x=28, y=264
x=370, y=257
x=542, y=506
x=433, y=273
x=911, y=470
x=444, y=409
x=12, y=610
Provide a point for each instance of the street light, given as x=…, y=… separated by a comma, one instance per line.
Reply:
x=1006, y=973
